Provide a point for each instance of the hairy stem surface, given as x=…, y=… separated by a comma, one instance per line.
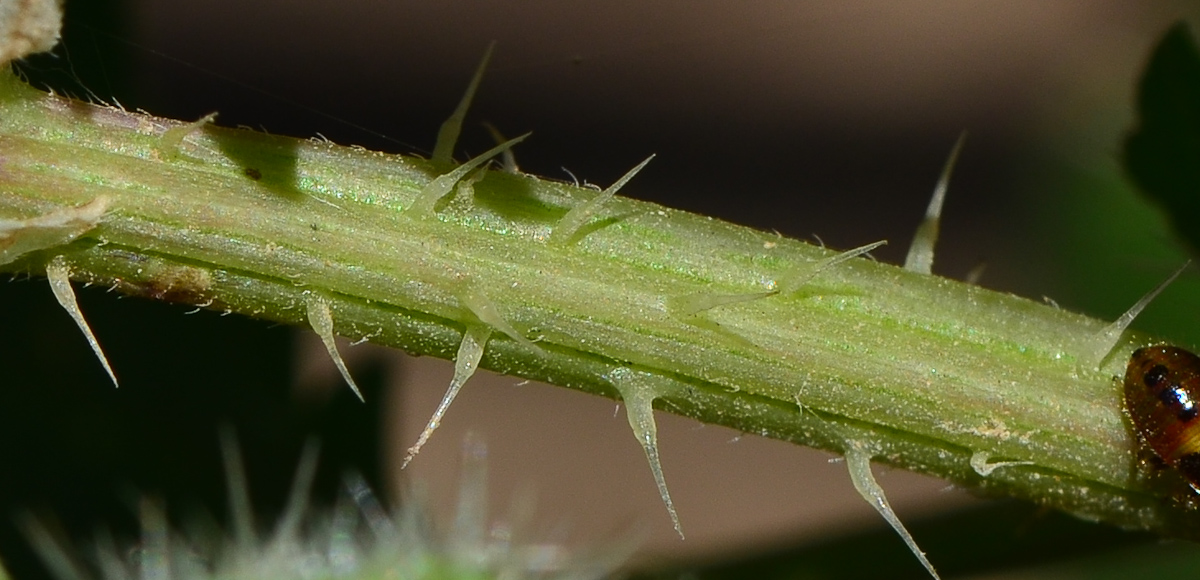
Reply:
x=919, y=371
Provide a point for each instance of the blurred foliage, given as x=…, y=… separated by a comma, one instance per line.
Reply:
x=1163, y=153
x=1101, y=243
x=993, y=539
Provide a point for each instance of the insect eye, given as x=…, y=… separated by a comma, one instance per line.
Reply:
x=1155, y=376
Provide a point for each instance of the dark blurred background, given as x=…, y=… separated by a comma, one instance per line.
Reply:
x=828, y=118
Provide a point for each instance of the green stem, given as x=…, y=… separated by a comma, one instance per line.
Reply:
x=919, y=371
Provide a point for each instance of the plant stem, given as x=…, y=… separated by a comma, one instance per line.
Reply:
x=923, y=372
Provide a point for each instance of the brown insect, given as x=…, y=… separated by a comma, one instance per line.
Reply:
x=1162, y=395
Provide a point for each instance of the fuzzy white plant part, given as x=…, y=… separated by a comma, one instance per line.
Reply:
x=28, y=27
x=357, y=538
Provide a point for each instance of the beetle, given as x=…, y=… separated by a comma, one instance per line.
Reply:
x=1162, y=397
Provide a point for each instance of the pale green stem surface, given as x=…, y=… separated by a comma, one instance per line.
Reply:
x=924, y=370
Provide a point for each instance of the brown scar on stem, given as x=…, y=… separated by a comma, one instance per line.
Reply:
x=161, y=281
x=184, y=284
x=171, y=283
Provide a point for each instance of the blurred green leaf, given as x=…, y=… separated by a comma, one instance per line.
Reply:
x=990, y=540
x=1163, y=153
